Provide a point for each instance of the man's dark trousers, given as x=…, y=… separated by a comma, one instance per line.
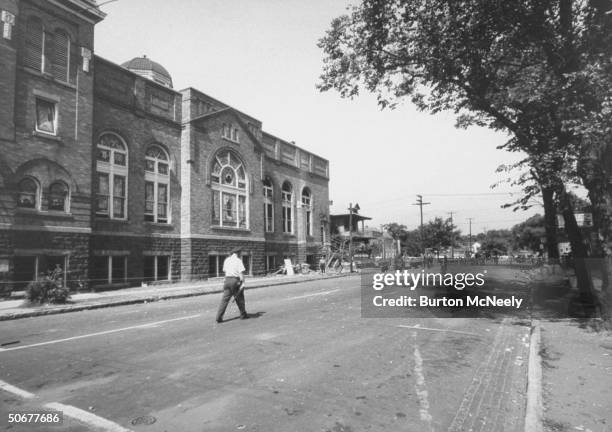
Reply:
x=231, y=288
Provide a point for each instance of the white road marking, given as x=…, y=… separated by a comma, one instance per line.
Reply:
x=16, y=391
x=102, y=333
x=421, y=387
x=418, y=327
x=68, y=411
x=86, y=417
x=313, y=294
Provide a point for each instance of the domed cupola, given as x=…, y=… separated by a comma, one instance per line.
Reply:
x=149, y=69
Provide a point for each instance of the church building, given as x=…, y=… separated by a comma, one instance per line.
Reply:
x=113, y=176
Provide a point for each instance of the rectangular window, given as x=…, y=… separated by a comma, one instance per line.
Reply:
x=156, y=268
x=103, y=155
x=287, y=221
x=99, y=270
x=308, y=222
x=108, y=269
x=34, y=42
x=46, y=116
x=215, y=265
x=119, y=158
x=271, y=263
x=216, y=219
x=269, y=217
x=149, y=201
x=156, y=202
x=61, y=61
x=163, y=268
x=119, y=196
x=25, y=270
x=102, y=197
x=242, y=211
x=148, y=268
x=162, y=203
x=118, y=269
x=229, y=209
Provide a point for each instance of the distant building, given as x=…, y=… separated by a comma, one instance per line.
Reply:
x=110, y=173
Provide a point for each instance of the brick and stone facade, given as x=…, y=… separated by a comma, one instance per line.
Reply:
x=117, y=178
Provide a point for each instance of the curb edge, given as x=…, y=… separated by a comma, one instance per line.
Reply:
x=533, y=412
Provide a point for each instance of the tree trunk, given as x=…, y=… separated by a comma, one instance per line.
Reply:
x=593, y=173
x=579, y=249
x=550, y=223
x=601, y=230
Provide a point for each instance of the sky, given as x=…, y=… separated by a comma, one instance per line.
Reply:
x=261, y=57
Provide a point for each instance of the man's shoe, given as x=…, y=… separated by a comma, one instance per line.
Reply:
x=245, y=316
x=219, y=321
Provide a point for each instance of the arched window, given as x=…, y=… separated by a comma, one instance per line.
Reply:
x=156, y=185
x=229, y=191
x=268, y=191
x=58, y=197
x=307, y=206
x=287, y=202
x=34, y=44
x=28, y=193
x=112, y=175
x=61, y=60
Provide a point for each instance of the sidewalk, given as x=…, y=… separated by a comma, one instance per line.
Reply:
x=576, y=376
x=14, y=309
x=576, y=361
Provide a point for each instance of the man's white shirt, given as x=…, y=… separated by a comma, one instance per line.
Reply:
x=233, y=266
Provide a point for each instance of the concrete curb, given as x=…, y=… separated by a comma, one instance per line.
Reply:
x=533, y=412
x=151, y=299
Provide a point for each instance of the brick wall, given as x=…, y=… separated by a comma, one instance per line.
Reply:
x=140, y=125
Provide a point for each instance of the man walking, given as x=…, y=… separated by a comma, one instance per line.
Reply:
x=233, y=285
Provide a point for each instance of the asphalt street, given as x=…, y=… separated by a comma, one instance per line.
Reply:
x=305, y=361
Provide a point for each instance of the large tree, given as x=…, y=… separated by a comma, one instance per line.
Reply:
x=440, y=233
x=516, y=67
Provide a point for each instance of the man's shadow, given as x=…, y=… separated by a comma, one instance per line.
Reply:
x=249, y=315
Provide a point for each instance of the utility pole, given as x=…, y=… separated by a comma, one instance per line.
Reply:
x=470, y=237
x=351, y=210
x=452, y=236
x=351, y=236
x=420, y=203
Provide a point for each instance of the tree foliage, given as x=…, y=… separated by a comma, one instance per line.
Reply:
x=530, y=234
x=539, y=70
x=440, y=233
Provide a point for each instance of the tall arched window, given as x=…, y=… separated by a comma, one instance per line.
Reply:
x=268, y=192
x=58, y=197
x=112, y=175
x=287, y=202
x=156, y=185
x=28, y=193
x=61, y=59
x=229, y=191
x=307, y=206
x=34, y=44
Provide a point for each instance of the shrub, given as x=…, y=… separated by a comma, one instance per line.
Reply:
x=48, y=289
